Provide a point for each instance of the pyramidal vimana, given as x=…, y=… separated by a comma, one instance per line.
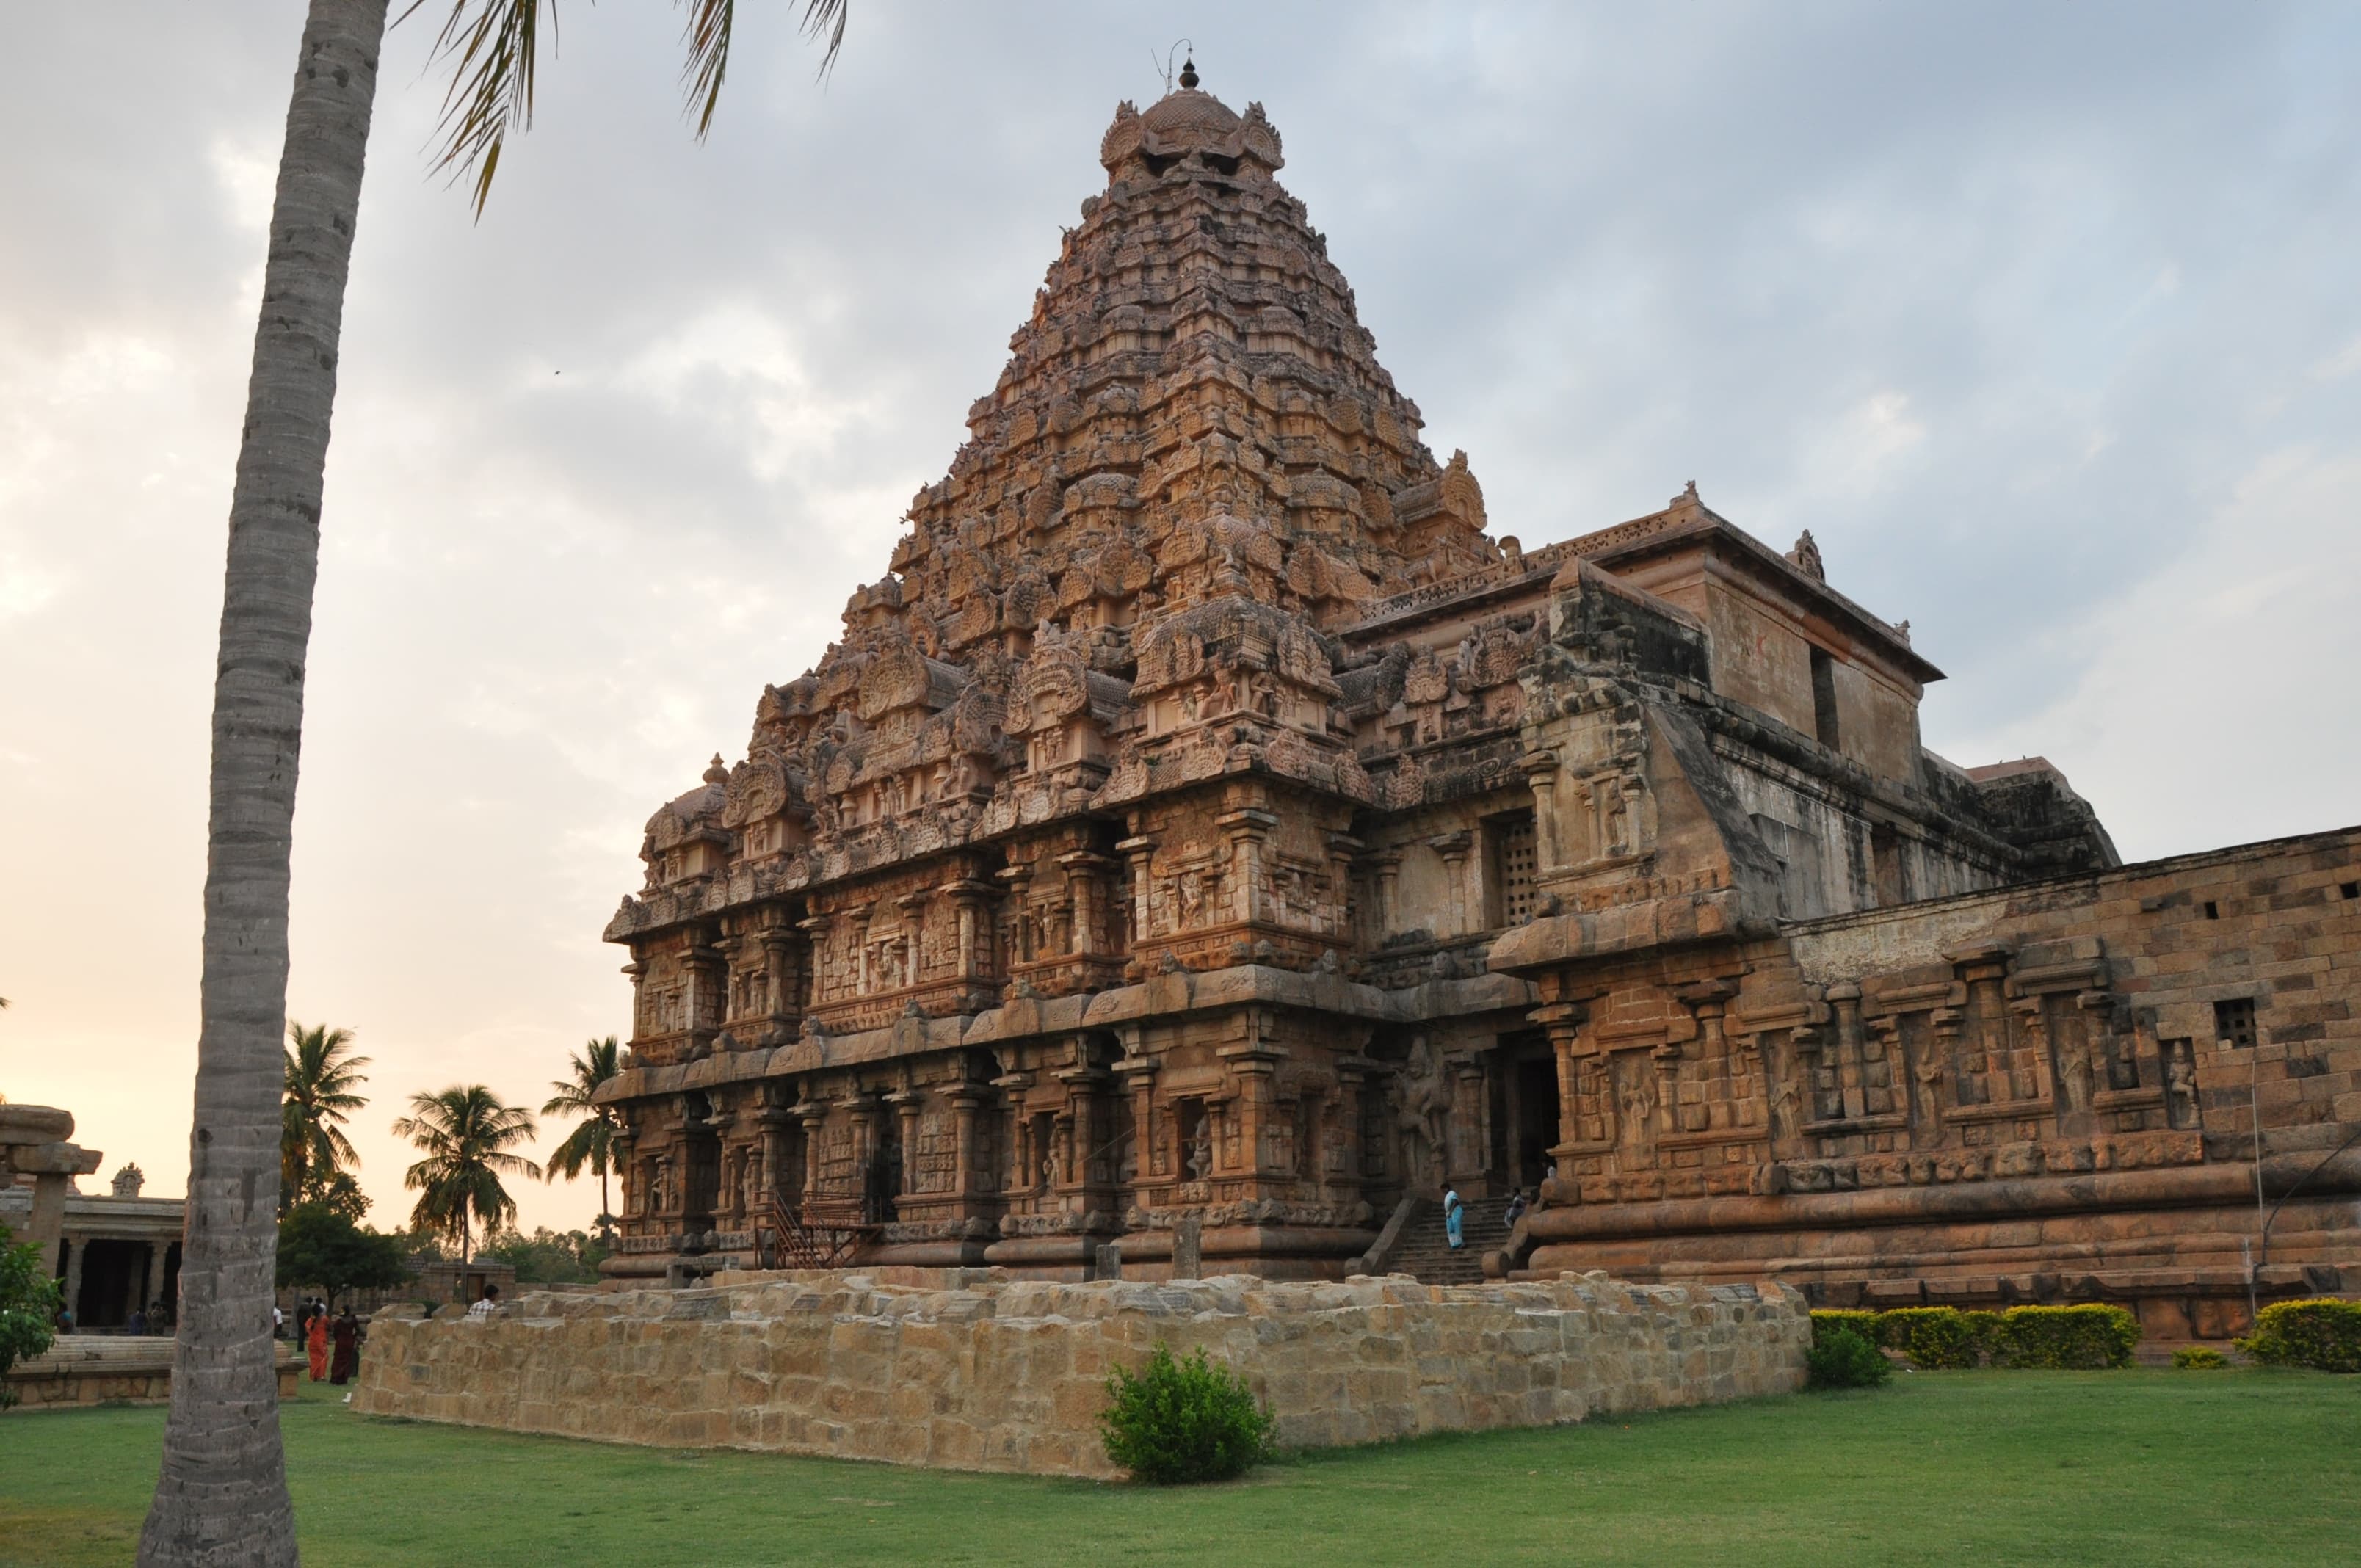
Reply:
x=1206, y=839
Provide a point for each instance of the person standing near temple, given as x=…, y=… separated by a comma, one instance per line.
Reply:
x=1455, y=1215
x=346, y=1336
x=315, y=1342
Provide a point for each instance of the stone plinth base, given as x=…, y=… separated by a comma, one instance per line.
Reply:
x=114, y=1369
x=1010, y=1375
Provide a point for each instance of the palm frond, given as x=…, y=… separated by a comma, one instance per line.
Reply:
x=492, y=46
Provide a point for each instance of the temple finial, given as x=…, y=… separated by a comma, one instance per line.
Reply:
x=1188, y=69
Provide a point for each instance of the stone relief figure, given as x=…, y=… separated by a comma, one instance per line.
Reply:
x=2179, y=1085
x=2076, y=1073
x=1200, y=1151
x=1636, y=1101
x=1193, y=897
x=1421, y=1099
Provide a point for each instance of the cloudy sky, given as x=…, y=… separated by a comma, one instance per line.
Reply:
x=2044, y=320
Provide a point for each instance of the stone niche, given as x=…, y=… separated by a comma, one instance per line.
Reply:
x=975, y=1371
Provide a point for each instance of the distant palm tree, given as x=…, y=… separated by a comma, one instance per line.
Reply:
x=592, y=1143
x=464, y=1131
x=321, y=1079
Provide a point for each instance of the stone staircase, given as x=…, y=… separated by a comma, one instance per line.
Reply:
x=1426, y=1254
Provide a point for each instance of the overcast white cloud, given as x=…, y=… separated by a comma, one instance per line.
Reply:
x=2042, y=319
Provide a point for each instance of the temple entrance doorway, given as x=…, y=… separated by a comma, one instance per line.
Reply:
x=1525, y=1114
x=113, y=1280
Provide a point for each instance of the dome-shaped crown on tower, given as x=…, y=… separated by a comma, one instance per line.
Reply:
x=1188, y=122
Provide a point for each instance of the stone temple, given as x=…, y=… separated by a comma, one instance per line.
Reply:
x=1207, y=839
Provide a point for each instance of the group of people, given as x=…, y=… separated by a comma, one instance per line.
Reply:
x=152, y=1318
x=332, y=1344
x=1455, y=1214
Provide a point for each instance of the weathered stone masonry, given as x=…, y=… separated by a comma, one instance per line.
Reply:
x=1012, y=1376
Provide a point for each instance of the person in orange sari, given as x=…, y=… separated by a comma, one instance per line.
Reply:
x=315, y=1343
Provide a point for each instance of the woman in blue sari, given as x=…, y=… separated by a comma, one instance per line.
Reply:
x=1454, y=1214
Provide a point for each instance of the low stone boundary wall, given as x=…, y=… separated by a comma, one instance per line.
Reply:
x=1010, y=1375
x=114, y=1369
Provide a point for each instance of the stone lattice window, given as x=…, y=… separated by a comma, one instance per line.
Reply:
x=2235, y=1021
x=1512, y=868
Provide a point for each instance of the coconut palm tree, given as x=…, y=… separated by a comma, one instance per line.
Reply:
x=465, y=1131
x=592, y=1143
x=221, y=1493
x=321, y=1081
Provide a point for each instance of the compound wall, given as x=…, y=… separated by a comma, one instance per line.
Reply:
x=1011, y=1375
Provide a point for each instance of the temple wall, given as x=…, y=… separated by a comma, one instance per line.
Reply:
x=1011, y=1375
x=2044, y=1093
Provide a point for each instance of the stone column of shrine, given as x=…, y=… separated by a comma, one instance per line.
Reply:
x=784, y=970
x=1088, y=874
x=1388, y=865
x=814, y=927
x=965, y=1099
x=1563, y=1023
x=813, y=1114
x=1138, y=1076
x=1140, y=850
x=914, y=926
x=906, y=1105
x=706, y=971
x=1253, y=1065
x=1541, y=770
x=773, y=1119
x=1454, y=848
x=969, y=899
x=1247, y=828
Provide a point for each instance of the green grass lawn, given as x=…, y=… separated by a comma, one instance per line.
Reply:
x=1982, y=1467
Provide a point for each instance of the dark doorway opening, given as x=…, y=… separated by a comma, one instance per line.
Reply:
x=112, y=1274
x=1537, y=1131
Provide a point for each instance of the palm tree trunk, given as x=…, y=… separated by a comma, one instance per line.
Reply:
x=220, y=1497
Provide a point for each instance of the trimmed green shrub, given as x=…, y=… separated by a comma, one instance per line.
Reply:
x=2323, y=1335
x=1181, y=1421
x=1828, y=1323
x=1938, y=1338
x=2198, y=1358
x=2066, y=1338
x=1841, y=1358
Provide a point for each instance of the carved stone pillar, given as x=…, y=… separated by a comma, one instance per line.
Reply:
x=1454, y=848
x=1138, y=1076
x=1541, y=769
x=1563, y=1023
x=1845, y=999
x=637, y=971
x=964, y=1100
x=1248, y=829
x=914, y=924
x=905, y=1125
x=707, y=1002
x=815, y=928
x=783, y=976
x=1018, y=879
x=813, y=1114
x=969, y=898
x=772, y=1119
x=1088, y=878
x=1385, y=868
x=1140, y=850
